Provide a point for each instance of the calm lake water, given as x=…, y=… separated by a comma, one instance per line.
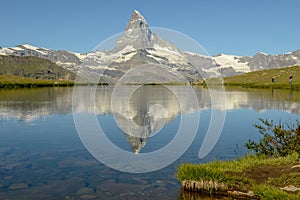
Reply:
x=42, y=156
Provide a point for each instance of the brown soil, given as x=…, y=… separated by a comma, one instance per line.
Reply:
x=261, y=174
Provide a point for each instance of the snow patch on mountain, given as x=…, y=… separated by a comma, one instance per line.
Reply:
x=28, y=46
x=225, y=61
x=6, y=51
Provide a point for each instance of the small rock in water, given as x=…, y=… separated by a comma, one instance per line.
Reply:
x=241, y=194
x=2, y=171
x=87, y=196
x=8, y=177
x=296, y=166
x=290, y=188
x=18, y=186
x=85, y=190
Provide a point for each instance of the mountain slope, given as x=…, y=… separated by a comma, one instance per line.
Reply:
x=32, y=67
x=68, y=60
x=263, y=78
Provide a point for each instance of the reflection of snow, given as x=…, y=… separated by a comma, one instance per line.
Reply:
x=9, y=110
x=261, y=100
x=32, y=104
x=145, y=112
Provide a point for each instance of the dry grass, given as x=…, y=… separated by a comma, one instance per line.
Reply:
x=7, y=81
x=263, y=78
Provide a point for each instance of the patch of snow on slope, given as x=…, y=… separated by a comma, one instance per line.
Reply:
x=226, y=61
x=157, y=47
x=27, y=46
x=128, y=48
x=6, y=51
x=17, y=48
x=124, y=58
x=197, y=54
x=172, y=56
x=160, y=60
x=80, y=56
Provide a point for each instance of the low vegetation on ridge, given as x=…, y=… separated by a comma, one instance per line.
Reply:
x=32, y=67
x=7, y=81
x=263, y=78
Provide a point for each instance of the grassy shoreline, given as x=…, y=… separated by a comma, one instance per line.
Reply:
x=254, y=177
x=273, y=172
x=256, y=79
x=7, y=81
x=263, y=86
x=263, y=79
x=257, y=86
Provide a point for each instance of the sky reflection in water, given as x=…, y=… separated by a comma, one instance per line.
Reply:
x=42, y=156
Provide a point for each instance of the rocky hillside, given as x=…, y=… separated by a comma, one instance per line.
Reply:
x=33, y=67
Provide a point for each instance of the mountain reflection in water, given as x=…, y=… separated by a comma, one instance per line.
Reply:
x=41, y=149
x=149, y=107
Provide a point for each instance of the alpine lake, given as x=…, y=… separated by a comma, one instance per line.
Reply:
x=42, y=155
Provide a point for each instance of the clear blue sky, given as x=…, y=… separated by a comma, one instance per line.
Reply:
x=241, y=27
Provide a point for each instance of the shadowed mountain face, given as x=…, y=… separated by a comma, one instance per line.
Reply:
x=138, y=35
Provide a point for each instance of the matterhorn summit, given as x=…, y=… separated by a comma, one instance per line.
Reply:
x=137, y=35
x=136, y=21
x=138, y=46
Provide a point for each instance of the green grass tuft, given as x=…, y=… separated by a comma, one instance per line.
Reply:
x=234, y=173
x=266, y=192
x=200, y=173
x=286, y=179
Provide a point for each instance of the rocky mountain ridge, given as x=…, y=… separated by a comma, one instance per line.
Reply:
x=68, y=60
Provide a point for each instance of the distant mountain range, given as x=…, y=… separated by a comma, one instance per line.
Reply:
x=139, y=46
x=229, y=65
x=63, y=58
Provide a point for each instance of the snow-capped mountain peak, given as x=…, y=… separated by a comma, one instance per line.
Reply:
x=136, y=15
x=138, y=45
x=136, y=34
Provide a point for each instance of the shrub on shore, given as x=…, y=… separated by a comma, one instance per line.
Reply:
x=277, y=140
